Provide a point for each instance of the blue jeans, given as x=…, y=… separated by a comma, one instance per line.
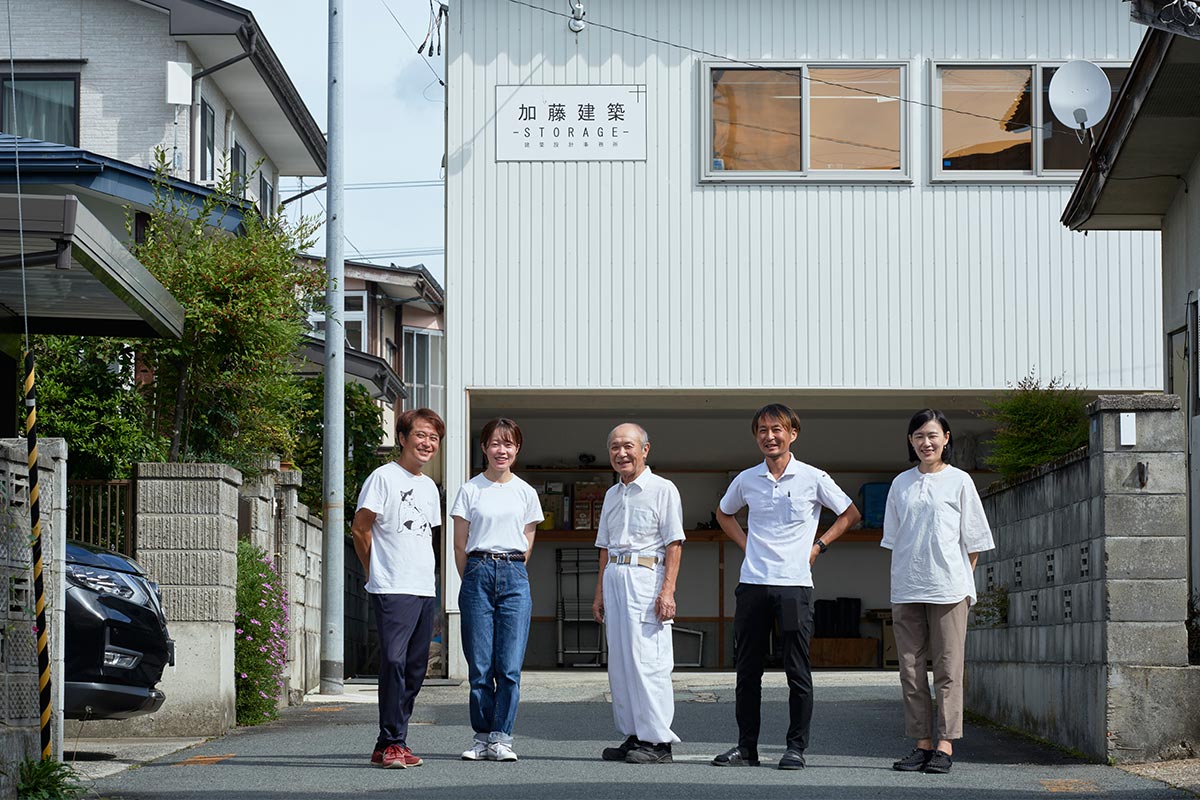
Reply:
x=495, y=605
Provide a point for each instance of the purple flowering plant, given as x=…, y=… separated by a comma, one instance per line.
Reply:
x=261, y=636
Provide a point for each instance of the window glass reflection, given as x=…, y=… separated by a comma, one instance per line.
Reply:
x=987, y=118
x=756, y=120
x=854, y=119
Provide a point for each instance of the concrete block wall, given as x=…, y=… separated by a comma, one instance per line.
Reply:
x=20, y=724
x=1092, y=555
x=299, y=560
x=187, y=522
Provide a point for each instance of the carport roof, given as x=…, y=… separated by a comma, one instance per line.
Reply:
x=47, y=163
x=79, y=279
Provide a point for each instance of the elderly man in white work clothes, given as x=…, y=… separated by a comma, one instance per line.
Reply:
x=640, y=538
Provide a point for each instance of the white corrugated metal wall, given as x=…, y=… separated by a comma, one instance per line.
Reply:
x=577, y=256
x=636, y=275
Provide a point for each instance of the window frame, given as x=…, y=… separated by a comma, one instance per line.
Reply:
x=266, y=195
x=806, y=175
x=240, y=183
x=208, y=141
x=1038, y=172
x=74, y=77
x=317, y=317
x=432, y=336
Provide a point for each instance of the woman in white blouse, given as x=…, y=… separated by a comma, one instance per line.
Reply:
x=935, y=527
x=495, y=517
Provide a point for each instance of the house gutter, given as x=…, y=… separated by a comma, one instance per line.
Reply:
x=1151, y=55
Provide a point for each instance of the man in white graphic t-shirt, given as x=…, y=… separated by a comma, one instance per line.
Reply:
x=398, y=508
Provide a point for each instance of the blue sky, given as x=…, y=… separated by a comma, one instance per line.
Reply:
x=393, y=117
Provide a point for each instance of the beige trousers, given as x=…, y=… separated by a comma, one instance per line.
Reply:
x=937, y=633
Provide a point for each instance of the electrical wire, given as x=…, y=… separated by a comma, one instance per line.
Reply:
x=425, y=184
x=790, y=72
x=410, y=39
x=358, y=252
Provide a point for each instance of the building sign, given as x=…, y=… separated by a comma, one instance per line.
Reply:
x=1173, y=16
x=571, y=123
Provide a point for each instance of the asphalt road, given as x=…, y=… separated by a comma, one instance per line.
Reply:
x=322, y=750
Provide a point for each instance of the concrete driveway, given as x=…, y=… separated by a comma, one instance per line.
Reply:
x=321, y=749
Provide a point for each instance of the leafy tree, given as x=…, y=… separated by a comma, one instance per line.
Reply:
x=88, y=395
x=226, y=391
x=364, y=433
x=1036, y=424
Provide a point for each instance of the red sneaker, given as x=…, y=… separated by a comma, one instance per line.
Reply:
x=377, y=756
x=392, y=757
x=410, y=758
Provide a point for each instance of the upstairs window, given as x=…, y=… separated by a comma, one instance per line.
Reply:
x=424, y=369
x=266, y=196
x=47, y=107
x=782, y=122
x=354, y=317
x=995, y=123
x=237, y=165
x=208, y=142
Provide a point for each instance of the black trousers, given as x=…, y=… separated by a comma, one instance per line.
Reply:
x=405, y=626
x=758, y=607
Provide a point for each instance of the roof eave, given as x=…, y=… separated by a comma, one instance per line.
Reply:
x=1142, y=72
x=217, y=18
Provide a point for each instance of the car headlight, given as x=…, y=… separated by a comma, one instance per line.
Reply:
x=103, y=581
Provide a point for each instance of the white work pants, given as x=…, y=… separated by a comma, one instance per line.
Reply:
x=640, y=654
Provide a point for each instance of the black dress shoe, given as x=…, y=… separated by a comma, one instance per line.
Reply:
x=939, y=763
x=647, y=753
x=914, y=761
x=792, y=759
x=619, y=752
x=736, y=757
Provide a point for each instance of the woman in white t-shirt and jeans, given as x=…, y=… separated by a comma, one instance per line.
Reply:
x=495, y=517
x=935, y=527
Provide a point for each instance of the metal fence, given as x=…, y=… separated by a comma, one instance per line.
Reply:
x=100, y=513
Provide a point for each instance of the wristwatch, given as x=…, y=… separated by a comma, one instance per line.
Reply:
x=820, y=543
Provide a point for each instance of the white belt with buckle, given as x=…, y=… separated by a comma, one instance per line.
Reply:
x=649, y=562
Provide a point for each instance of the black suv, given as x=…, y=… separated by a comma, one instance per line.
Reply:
x=116, y=637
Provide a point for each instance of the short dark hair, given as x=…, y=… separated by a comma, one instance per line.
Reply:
x=404, y=425
x=922, y=418
x=509, y=431
x=776, y=411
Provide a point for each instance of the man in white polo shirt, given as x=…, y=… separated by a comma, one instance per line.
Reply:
x=640, y=538
x=785, y=497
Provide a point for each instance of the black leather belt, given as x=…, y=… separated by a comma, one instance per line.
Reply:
x=497, y=556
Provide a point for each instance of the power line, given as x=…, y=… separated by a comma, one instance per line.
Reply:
x=789, y=72
x=410, y=39
x=427, y=184
x=409, y=253
x=317, y=197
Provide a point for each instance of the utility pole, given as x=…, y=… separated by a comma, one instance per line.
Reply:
x=334, y=453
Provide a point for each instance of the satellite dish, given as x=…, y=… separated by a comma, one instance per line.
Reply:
x=1080, y=94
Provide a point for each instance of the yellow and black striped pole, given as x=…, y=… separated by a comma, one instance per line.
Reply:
x=35, y=527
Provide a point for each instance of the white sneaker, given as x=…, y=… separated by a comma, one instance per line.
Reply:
x=500, y=751
x=478, y=752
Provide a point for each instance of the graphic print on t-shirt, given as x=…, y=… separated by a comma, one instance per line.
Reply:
x=412, y=513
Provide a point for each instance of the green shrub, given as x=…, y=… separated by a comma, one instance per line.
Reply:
x=48, y=780
x=260, y=650
x=1036, y=424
